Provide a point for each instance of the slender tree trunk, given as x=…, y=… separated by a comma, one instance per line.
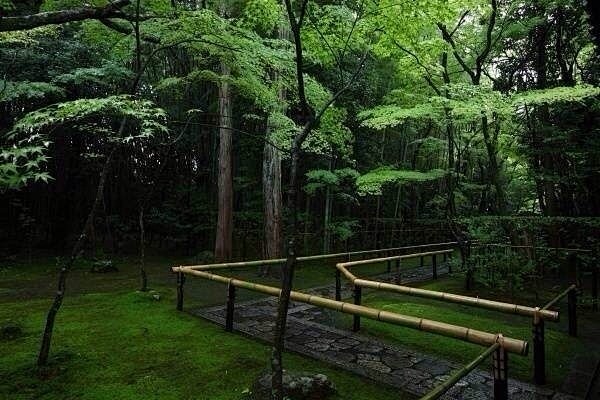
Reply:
x=224, y=237
x=493, y=167
x=143, y=275
x=287, y=280
x=66, y=268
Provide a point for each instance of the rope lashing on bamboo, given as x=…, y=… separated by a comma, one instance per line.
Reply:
x=515, y=346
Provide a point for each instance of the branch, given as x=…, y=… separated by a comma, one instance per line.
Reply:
x=24, y=22
x=427, y=76
x=296, y=26
x=448, y=39
x=301, y=137
x=488, y=40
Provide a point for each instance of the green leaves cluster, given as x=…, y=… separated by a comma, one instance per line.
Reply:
x=373, y=182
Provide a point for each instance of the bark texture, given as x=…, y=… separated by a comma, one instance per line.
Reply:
x=23, y=22
x=224, y=237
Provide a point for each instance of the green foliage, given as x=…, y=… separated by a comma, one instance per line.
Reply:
x=149, y=117
x=555, y=95
x=390, y=116
x=372, y=182
x=22, y=165
x=322, y=178
x=109, y=74
x=261, y=16
x=23, y=91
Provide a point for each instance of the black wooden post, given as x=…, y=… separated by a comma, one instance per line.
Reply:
x=572, y=311
x=445, y=257
x=230, y=307
x=422, y=262
x=357, y=299
x=449, y=263
x=595, y=281
x=338, y=285
x=398, y=272
x=434, y=265
x=595, y=287
x=180, y=282
x=539, y=351
x=389, y=262
x=500, y=373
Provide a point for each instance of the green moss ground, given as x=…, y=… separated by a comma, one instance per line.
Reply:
x=128, y=346
x=111, y=342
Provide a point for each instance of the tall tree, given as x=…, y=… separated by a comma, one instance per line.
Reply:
x=224, y=236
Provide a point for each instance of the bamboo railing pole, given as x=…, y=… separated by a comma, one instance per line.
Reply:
x=439, y=390
x=255, y=263
x=533, y=247
x=559, y=297
x=401, y=257
x=508, y=308
x=454, y=331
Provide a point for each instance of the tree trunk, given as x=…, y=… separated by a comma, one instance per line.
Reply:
x=224, y=236
x=286, y=280
x=143, y=275
x=272, y=203
x=272, y=183
x=62, y=276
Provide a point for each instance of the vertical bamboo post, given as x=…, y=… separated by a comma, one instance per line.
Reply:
x=434, y=266
x=180, y=282
x=338, y=285
x=500, y=373
x=230, y=307
x=539, y=351
x=572, y=311
x=357, y=299
x=398, y=272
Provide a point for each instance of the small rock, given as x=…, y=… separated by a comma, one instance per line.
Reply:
x=156, y=297
x=296, y=386
x=10, y=332
x=103, y=267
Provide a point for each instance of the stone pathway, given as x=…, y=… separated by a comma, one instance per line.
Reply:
x=310, y=333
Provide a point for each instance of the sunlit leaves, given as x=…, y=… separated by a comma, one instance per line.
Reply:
x=150, y=118
x=374, y=181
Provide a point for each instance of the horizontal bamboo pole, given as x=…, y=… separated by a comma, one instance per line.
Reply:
x=439, y=390
x=392, y=258
x=458, y=332
x=278, y=261
x=508, y=308
x=559, y=297
x=566, y=249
